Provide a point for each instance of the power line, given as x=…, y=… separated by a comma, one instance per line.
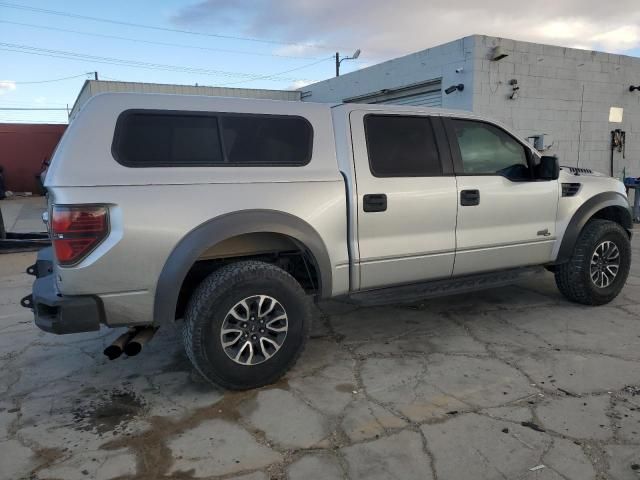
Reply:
x=163, y=29
x=28, y=49
x=153, y=42
x=54, y=80
x=271, y=76
x=22, y=109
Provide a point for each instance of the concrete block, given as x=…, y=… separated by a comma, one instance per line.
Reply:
x=304, y=427
x=396, y=456
x=212, y=448
x=316, y=466
x=474, y=446
x=577, y=417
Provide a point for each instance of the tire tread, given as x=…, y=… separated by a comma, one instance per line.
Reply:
x=198, y=310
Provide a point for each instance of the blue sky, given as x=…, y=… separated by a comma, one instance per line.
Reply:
x=294, y=35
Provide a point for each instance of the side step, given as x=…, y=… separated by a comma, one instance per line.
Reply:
x=440, y=288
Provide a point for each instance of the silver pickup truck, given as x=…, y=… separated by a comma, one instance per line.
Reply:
x=233, y=215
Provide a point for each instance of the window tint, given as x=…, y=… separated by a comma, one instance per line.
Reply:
x=401, y=146
x=265, y=139
x=486, y=149
x=147, y=139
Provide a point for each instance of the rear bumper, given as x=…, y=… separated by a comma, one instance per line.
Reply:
x=54, y=312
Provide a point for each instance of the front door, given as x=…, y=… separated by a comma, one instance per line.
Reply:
x=407, y=199
x=506, y=218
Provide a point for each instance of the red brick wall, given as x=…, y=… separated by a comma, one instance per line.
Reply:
x=22, y=149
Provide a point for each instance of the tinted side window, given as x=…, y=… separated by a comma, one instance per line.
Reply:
x=486, y=149
x=264, y=139
x=401, y=146
x=147, y=139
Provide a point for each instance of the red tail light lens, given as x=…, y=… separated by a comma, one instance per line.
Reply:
x=76, y=230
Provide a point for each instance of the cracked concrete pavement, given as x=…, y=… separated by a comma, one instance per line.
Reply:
x=510, y=383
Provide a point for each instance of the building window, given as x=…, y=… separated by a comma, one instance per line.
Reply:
x=165, y=139
x=401, y=146
x=488, y=150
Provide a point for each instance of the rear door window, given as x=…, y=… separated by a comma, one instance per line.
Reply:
x=157, y=139
x=401, y=146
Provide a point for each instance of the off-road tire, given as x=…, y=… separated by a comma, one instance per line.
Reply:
x=573, y=277
x=209, y=305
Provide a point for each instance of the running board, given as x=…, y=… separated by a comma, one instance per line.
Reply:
x=440, y=288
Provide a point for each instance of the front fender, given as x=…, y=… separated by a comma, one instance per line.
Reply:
x=586, y=211
x=212, y=232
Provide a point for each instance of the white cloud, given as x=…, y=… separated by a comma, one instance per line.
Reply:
x=384, y=29
x=7, y=86
x=296, y=84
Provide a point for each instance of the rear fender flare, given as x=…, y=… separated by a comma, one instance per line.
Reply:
x=212, y=232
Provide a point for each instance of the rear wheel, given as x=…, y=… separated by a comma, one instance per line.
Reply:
x=599, y=265
x=246, y=325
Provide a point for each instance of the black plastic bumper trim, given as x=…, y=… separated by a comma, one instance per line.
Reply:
x=56, y=313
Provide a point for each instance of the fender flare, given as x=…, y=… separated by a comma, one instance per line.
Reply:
x=586, y=211
x=212, y=232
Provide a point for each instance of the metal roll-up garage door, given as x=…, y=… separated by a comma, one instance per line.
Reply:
x=427, y=94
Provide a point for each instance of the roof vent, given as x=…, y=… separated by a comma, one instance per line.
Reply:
x=578, y=170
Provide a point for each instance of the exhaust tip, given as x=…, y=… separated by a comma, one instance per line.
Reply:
x=132, y=348
x=114, y=350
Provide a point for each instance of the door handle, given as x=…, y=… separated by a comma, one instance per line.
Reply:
x=469, y=198
x=374, y=202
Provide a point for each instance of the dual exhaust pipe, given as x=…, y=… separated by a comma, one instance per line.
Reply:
x=130, y=343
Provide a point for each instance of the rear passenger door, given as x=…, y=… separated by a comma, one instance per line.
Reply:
x=407, y=199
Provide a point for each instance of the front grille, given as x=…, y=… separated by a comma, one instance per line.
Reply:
x=570, y=189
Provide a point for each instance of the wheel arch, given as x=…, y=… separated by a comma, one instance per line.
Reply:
x=611, y=206
x=215, y=231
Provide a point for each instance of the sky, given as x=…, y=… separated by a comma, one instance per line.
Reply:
x=48, y=48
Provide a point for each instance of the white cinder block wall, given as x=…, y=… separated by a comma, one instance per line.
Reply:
x=550, y=99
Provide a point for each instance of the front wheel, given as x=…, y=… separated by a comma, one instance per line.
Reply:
x=599, y=265
x=246, y=325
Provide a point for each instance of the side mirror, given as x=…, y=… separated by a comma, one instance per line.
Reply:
x=549, y=168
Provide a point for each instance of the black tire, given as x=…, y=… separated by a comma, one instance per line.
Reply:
x=211, y=303
x=573, y=278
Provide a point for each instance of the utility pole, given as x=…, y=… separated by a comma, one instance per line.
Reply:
x=339, y=60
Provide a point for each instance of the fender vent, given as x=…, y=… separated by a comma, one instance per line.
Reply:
x=578, y=171
x=570, y=189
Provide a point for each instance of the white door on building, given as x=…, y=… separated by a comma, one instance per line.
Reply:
x=426, y=94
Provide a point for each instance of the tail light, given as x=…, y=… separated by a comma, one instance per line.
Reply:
x=76, y=230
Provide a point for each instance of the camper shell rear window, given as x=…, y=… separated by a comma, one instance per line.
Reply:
x=149, y=138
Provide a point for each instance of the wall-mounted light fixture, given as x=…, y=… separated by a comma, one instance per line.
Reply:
x=498, y=53
x=453, y=88
x=632, y=88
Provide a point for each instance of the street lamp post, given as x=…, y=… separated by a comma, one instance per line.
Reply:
x=339, y=60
